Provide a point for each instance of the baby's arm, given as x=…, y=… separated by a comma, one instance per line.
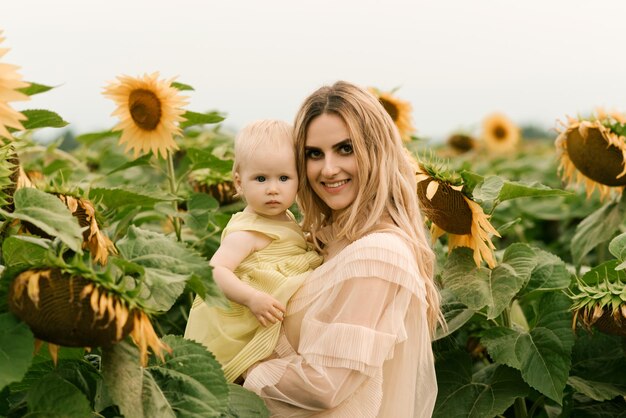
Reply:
x=235, y=247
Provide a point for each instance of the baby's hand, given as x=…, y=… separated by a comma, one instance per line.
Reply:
x=266, y=309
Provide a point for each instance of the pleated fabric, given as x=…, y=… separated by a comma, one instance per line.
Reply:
x=234, y=335
x=355, y=342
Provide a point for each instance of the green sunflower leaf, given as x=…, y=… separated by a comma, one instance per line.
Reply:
x=243, y=403
x=479, y=287
x=549, y=274
x=35, y=88
x=597, y=228
x=92, y=137
x=168, y=265
x=53, y=396
x=194, y=118
x=16, y=349
x=190, y=383
x=117, y=197
x=181, y=86
x=41, y=118
x=455, y=313
x=541, y=354
x=617, y=247
x=487, y=392
x=46, y=212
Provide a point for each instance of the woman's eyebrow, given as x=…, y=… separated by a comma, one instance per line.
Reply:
x=340, y=144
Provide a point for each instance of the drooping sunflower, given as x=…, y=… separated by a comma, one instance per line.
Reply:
x=399, y=110
x=592, y=152
x=10, y=82
x=500, y=133
x=65, y=309
x=451, y=211
x=150, y=110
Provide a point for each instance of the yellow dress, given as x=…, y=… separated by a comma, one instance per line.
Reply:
x=234, y=335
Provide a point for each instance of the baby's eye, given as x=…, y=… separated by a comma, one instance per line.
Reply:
x=260, y=179
x=313, y=154
x=284, y=178
x=346, y=149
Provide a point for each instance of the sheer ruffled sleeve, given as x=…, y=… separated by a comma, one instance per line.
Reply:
x=351, y=327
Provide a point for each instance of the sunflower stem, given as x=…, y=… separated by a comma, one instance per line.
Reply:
x=171, y=176
x=520, y=408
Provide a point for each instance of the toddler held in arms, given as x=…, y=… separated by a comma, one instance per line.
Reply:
x=263, y=255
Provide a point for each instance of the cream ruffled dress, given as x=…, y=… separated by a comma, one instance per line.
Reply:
x=234, y=335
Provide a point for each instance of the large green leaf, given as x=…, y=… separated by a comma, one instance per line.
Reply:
x=89, y=138
x=497, y=189
x=455, y=314
x=168, y=266
x=595, y=229
x=53, y=396
x=243, y=404
x=190, y=383
x=41, y=118
x=35, y=88
x=600, y=358
x=48, y=213
x=549, y=274
x=16, y=349
x=128, y=196
x=195, y=118
x=206, y=159
x=485, y=393
x=543, y=354
x=143, y=160
x=598, y=391
x=22, y=251
x=478, y=287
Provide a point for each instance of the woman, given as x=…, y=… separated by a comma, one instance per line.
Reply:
x=356, y=338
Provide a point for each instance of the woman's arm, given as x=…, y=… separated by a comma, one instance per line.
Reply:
x=234, y=248
x=343, y=345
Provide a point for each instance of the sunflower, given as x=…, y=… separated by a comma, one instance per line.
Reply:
x=499, y=133
x=99, y=245
x=593, y=152
x=461, y=143
x=10, y=82
x=399, y=110
x=65, y=309
x=451, y=211
x=149, y=110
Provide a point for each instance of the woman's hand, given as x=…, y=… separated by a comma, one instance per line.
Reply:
x=266, y=309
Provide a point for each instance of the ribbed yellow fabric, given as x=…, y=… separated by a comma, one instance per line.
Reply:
x=234, y=335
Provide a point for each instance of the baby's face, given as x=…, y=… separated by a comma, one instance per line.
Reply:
x=268, y=181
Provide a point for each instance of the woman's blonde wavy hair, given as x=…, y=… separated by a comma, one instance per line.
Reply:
x=386, y=172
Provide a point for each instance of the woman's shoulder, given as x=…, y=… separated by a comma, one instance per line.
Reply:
x=383, y=242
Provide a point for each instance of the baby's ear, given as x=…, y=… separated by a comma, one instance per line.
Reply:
x=237, y=182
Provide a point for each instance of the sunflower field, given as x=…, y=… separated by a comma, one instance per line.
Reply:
x=105, y=240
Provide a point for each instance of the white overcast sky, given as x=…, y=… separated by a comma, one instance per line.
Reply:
x=454, y=60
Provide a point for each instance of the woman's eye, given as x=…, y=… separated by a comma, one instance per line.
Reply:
x=346, y=149
x=313, y=154
x=284, y=178
x=260, y=179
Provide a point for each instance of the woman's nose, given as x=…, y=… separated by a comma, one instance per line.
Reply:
x=330, y=169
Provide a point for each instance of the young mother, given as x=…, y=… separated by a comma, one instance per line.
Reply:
x=356, y=341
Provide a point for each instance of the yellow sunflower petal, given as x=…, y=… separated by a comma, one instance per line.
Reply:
x=10, y=82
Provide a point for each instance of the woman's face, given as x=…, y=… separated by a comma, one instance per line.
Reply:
x=331, y=166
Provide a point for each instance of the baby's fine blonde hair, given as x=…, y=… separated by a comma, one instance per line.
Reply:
x=271, y=133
